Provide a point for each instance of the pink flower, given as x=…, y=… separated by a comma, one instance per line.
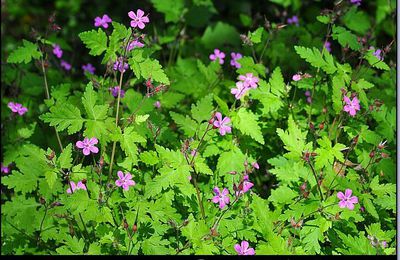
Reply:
x=243, y=248
x=118, y=65
x=235, y=57
x=308, y=95
x=157, y=104
x=327, y=46
x=193, y=152
x=245, y=186
x=293, y=20
x=352, y=106
x=4, y=169
x=89, y=68
x=240, y=90
x=78, y=186
x=249, y=80
x=222, y=124
x=65, y=65
x=17, y=108
x=102, y=21
x=221, y=198
x=356, y=2
x=346, y=200
x=138, y=20
x=255, y=165
x=124, y=181
x=114, y=92
x=134, y=44
x=218, y=54
x=88, y=145
x=57, y=51
x=296, y=77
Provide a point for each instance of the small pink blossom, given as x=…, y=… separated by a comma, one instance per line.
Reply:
x=346, y=200
x=89, y=68
x=240, y=90
x=217, y=55
x=356, y=2
x=65, y=65
x=78, y=186
x=4, y=169
x=114, y=92
x=157, y=104
x=57, y=51
x=255, y=165
x=17, y=108
x=88, y=145
x=293, y=20
x=243, y=248
x=234, y=58
x=193, y=152
x=249, y=81
x=308, y=95
x=352, y=106
x=124, y=181
x=118, y=65
x=296, y=77
x=222, y=124
x=221, y=197
x=102, y=21
x=134, y=44
x=327, y=46
x=245, y=186
x=138, y=20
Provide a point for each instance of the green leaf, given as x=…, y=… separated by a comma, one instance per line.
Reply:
x=326, y=153
x=282, y=195
x=149, y=157
x=27, y=132
x=94, y=40
x=24, y=54
x=171, y=9
x=65, y=159
x=294, y=140
x=357, y=21
x=247, y=123
x=375, y=62
x=203, y=108
x=316, y=59
x=64, y=116
x=128, y=143
x=256, y=36
x=220, y=34
x=51, y=177
x=325, y=19
x=152, y=69
x=20, y=182
x=345, y=37
x=186, y=124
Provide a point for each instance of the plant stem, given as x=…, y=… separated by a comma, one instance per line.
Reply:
x=41, y=224
x=316, y=179
x=223, y=213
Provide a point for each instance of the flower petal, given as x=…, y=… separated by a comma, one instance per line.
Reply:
x=238, y=249
x=139, y=13
x=340, y=195
x=120, y=175
x=348, y=193
x=132, y=15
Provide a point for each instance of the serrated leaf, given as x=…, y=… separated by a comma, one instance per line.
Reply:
x=247, y=123
x=256, y=36
x=65, y=159
x=94, y=40
x=203, y=108
x=345, y=37
x=186, y=124
x=325, y=19
x=20, y=182
x=149, y=157
x=326, y=153
x=25, y=53
x=152, y=69
x=316, y=59
x=64, y=116
x=51, y=177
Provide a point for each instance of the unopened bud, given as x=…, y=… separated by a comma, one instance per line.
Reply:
x=324, y=110
x=134, y=228
x=355, y=139
x=303, y=186
x=50, y=156
x=84, y=181
x=42, y=200
x=233, y=172
x=372, y=154
x=126, y=224
x=311, y=125
x=101, y=162
x=384, y=155
x=321, y=126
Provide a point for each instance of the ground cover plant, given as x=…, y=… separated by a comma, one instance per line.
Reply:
x=198, y=127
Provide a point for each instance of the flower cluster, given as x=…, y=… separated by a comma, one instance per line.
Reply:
x=293, y=20
x=246, y=82
x=120, y=65
x=88, y=68
x=17, y=108
x=308, y=95
x=88, y=145
x=114, y=92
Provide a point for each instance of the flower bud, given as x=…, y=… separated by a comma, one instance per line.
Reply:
x=384, y=155
x=84, y=181
x=355, y=139
x=233, y=172
x=134, y=228
x=101, y=162
x=185, y=222
x=372, y=154
x=303, y=186
x=311, y=125
x=321, y=126
x=324, y=110
x=125, y=224
x=51, y=155
x=42, y=200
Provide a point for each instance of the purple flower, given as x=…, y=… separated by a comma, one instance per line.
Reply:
x=114, y=92
x=133, y=44
x=293, y=20
x=240, y=90
x=88, y=145
x=346, y=200
x=327, y=46
x=4, y=169
x=89, y=68
x=234, y=58
x=352, y=106
x=218, y=54
x=118, y=65
x=138, y=20
x=309, y=100
x=157, y=104
x=356, y=2
x=102, y=21
x=221, y=197
x=57, y=51
x=193, y=152
x=249, y=81
x=246, y=184
x=65, y=65
x=384, y=243
x=222, y=124
x=296, y=77
x=308, y=95
x=243, y=248
x=378, y=54
x=78, y=186
x=17, y=108
x=124, y=181
x=255, y=165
